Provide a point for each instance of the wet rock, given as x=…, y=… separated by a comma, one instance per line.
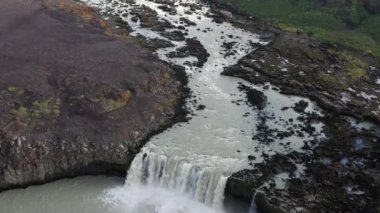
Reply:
x=228, y=48
x=218, y=20
x=296, y=187
x=337, y=184
x=166, y=8
x=154, y=44
x=301, y=106
x=175, y=35
x=264, y=206
x=135, y=19
x=187, y=22
x=201, y=107
x=177, y=54
x=255, y=97
x=195, y=48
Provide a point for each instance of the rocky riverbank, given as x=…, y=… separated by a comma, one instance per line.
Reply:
x=77, y=96
x=341, y=173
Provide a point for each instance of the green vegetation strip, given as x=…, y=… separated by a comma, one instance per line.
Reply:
x=327, y=22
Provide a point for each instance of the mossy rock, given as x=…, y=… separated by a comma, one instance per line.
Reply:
x=314, y=54
x=17, y=91
x=110, y=104
x=40, y=110
x=330, y=81
x=288, y=28
x=354, y=67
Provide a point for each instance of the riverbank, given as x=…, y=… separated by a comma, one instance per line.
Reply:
x=352, y=24
x=78, y=97
x=341, y=172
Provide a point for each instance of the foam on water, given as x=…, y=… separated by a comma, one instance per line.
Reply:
x=148, y=199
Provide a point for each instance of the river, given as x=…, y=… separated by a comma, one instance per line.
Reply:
x=185, y=168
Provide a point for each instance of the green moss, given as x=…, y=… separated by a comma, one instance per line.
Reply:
x=17, y=91
x=288, y=27
x=109, y=104
x=49, y=108
x=320, y=21
x=23, y=113
x=330, y=81
x=46, y=109
x=314, y=54
x=347, y=38
x=356, y=73
x=354, y=68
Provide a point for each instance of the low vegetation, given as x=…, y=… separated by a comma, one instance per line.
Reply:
x=354, y=23
x=39, y=111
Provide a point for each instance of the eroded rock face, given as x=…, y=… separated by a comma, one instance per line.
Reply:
x=72, y=100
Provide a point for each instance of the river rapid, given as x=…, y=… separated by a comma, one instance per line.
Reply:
x=185, y=168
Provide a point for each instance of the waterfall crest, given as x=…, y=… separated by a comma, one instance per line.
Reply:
x=205, y=184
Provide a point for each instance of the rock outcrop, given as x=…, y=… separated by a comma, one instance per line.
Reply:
x=74, y=98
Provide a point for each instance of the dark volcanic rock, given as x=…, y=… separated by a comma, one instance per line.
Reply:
x=201, y=107
x=175, y=35
x=342, y=175
x=300, y=106
x=149, y=18
x=338, y=81
x=72, y=100
x=195, y=48
x=187, y=22
x=153, y=44
x=255, y=97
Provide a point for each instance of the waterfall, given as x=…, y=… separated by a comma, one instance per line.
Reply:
x=203, y=184
x=253, y=207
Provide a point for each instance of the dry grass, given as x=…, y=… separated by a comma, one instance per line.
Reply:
x=88, y=14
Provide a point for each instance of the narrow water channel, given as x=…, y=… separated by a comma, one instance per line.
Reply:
x=185, y=168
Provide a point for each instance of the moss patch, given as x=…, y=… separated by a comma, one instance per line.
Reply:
x=330, y=81
x=109, y=104
x=288, y=27
x=354, y=68
x=16, y=91
x=40, y=110
x=326, y=22
x=314, y=54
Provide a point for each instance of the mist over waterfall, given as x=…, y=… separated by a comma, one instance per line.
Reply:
x=204, y=184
